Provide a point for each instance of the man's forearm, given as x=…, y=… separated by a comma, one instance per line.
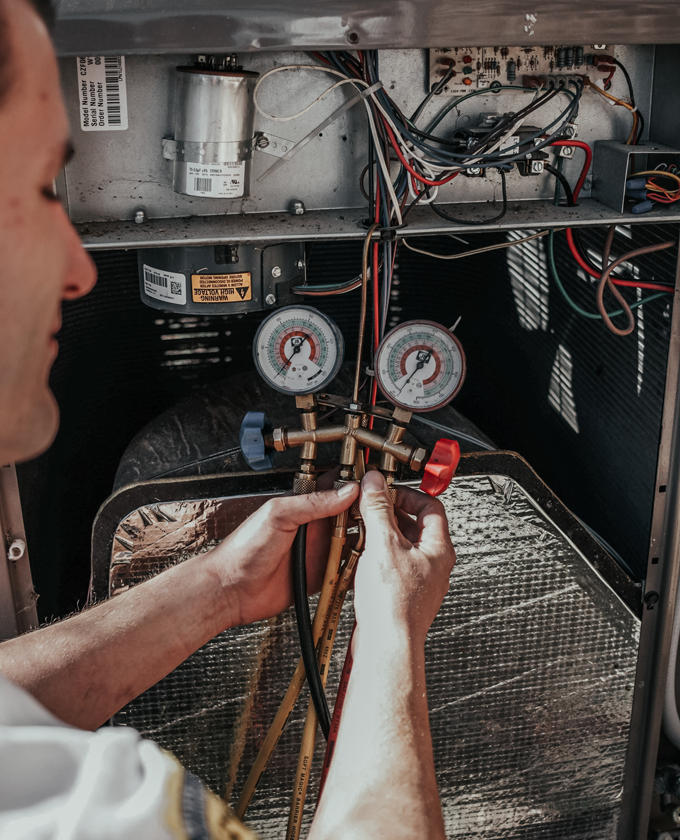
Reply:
x=86, y=668
x=382, y=782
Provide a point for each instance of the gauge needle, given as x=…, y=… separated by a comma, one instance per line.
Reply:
x=423, y=359
x=297, y=343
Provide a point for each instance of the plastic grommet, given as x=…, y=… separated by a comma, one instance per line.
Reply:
x=441, y=467
x=251, y=440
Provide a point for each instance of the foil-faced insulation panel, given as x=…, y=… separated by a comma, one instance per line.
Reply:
x=530, y=668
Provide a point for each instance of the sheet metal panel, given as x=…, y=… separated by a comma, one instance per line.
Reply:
x=130, y=26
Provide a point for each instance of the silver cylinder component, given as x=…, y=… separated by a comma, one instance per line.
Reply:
x=214, y=140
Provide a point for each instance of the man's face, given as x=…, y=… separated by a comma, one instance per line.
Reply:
x=43, y=262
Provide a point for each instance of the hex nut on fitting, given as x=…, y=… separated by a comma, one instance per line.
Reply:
x=418, y=459
x=297, y=208
x=270, y=300
x=279, y=438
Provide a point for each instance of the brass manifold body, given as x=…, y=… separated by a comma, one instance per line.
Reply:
x=351, y=434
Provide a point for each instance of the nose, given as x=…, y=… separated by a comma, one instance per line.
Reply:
x=81, y=273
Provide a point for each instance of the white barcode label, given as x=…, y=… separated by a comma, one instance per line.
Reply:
x=165, y=285
x=216, y=180
x=102, y=92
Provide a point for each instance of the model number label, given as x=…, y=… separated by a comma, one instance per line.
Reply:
x=102, y=92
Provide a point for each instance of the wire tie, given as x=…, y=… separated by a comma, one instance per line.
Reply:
x=319, y=128
x=369, y=371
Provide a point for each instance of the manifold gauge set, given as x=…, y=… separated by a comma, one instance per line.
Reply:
x=418, y=366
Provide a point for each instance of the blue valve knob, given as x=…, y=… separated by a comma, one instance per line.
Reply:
x=251, y=440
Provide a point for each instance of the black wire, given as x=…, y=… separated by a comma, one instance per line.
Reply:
x=563, y=183
x=480, y=221
x=641, y=119
x=630, y=84
x=304, y=623
x=436, y=89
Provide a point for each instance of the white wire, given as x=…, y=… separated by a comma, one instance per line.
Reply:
x=383, y=165
x=345, y=80
x=358, y=84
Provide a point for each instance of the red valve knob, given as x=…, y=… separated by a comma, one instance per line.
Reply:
x=441, y=467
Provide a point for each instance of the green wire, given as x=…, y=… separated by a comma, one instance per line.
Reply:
x=573, y=304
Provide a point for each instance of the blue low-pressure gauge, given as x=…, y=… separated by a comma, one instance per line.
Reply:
x=420, y=366
x=298, y=350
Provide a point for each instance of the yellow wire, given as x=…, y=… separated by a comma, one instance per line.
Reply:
x=633, y=131
x=660, y=172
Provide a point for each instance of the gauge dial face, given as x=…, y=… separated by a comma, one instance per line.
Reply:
x=298, y=350
x=420, y=366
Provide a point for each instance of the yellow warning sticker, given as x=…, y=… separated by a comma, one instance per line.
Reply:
x=221, y=288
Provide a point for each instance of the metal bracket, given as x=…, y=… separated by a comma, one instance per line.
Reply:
x=270, y=144
x=18, y=613
x=611, y=167
x=192, y=152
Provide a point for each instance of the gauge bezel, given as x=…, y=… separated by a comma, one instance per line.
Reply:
x=330, y=323
x=420, y=322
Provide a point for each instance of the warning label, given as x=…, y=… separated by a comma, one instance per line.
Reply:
x=221, y=288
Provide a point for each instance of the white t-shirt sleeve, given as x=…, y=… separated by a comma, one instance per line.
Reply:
x=62, y=783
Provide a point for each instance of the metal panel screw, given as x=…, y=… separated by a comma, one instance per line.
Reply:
x=16, y=550
x=650, y=599
x=300, y=264
x=297, y=208
x=140, y=217
x=262, y=142
x=270, y=300
x=276, y=271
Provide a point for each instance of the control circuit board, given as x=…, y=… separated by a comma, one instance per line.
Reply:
x=472, y=68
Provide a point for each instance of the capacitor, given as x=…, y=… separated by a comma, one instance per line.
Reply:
x=578, y=56
x=561, y=57
x=570, y=57
x=213, y=143
x=512, y=70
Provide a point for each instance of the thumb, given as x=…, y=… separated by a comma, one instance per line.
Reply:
x=298, y=510
x=375, y=502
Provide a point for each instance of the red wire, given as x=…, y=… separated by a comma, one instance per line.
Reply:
x=636, y=284
x=570, y=236
x=586, y=166
x=408, y=166
x=337, y=714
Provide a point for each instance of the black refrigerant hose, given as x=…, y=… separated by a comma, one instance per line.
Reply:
x=304, y=623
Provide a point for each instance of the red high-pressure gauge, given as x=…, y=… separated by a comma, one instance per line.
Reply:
x=420, y=366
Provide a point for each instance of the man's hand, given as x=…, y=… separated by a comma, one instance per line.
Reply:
x=403, y=574
x=253, y=563
x=382, y=784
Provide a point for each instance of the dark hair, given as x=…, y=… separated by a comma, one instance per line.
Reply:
x=46, y=11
